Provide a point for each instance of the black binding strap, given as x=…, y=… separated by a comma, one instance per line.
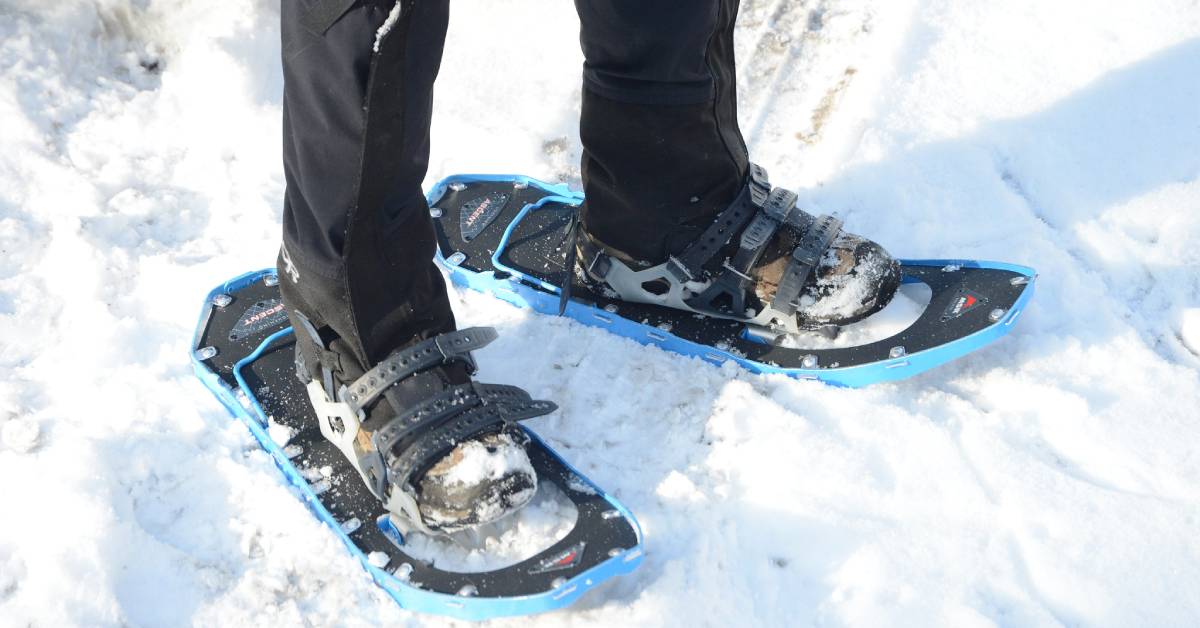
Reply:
x=410, y=449
x=727, y=294
x=689, y=264
x=437, y=409
x=807, y=255
x=405, y=362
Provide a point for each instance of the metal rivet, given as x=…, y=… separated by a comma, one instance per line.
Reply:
x=664, y=326
x=996, y=314
x=520, y=185
x=610, y=308
x=721, y=345
x=271, y=279
x=468, y=590
x=221, y=300
x=614, y=552
x=809, y=361
x=950, y=268
x=610, y=514
x=435, y=212
x=897, y=352
x=1019, y=281
x=456, y=259
x=558, y=582
x=206, y=353
x=458, y=187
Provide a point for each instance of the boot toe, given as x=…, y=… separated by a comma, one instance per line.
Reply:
x=855, y=279
x=479, y=482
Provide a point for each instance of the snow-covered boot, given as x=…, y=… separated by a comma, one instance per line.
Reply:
x=439, y=450
x=762, y=260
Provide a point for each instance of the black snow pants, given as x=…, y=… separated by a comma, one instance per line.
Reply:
x=662, y=149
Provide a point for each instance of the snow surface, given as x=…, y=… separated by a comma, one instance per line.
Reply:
x=1052, y=478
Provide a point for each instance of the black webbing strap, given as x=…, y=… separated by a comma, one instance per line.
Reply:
x=735, y=281
x=457, y=424
x=423, y=355
x=449, y=402
x=805, y=257
x=781, y=205
x=689, y=264
x=572, y=240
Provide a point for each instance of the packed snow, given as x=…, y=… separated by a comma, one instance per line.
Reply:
x=1050, y=479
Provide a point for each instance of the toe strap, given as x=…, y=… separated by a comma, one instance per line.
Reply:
x=418, y=437
x=807, y=254
x=727, y=293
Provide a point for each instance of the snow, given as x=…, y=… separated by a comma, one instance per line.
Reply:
x=1049, y=479
x=843, y=294
x=388, y=24
x=279, y=433
x=476, y=462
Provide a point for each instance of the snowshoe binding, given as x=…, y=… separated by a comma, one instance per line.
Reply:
x=440, y=451
x=762, y=261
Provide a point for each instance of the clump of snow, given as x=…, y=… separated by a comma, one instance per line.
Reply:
x=840, y=295
x=1189, y=329
x=280, y=433
x=20, y=435
x=378, y=559
x=476, y=462
x=12, y=573
x=546, y=519
x=389, y=23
